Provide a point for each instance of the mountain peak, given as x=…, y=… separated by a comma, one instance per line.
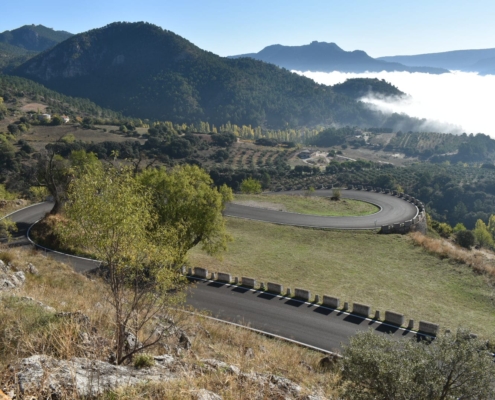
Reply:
x=328, y=57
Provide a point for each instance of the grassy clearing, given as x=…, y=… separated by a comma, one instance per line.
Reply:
x=309, y=204
x=386, y=271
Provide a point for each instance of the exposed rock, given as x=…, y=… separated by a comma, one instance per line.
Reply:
x=131, y=342
x=328, y=362
x=32, y=269
x=204, y=394
x=10, y=280
x=185, y=341
x=248, y=352
x=211, y=363
x=80, y=376
x=164, y=359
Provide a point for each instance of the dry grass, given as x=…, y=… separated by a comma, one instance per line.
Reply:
x=27, y=329
x=445, y=249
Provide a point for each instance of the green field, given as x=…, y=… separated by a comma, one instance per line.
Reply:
x=386, y=271
x=308, y=204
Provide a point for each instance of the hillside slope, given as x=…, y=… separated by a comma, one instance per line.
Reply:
x=328, y=57
x=144, y=71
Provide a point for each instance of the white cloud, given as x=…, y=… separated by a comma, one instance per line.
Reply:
x=455, y=102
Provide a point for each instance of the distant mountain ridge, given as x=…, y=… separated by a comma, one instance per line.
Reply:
x=33, y=37
x=482, y=60
x=144, y=71
x=19, y=45
x=328, y=57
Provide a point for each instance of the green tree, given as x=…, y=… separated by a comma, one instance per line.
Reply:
x=56, y=120
x=55, y=172
x=187, y=202
x=459, y=227
x=250, y=186
x=109, y=215
x=465, y=238
x=482, y=235
x=452, y=366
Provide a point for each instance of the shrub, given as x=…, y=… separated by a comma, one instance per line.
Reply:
x=250, y=186
x=336, y=194
x=143, y=361
x=465, y=238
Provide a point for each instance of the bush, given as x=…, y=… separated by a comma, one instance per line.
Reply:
x=336, y=194
x=444, y=230
x=250, y=186
x=465, y=238
x=143, y=361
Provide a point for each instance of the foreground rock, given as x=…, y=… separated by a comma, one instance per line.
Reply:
x=9, y=279
x=80, y=376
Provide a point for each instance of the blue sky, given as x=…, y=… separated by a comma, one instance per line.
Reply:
x=227, y=27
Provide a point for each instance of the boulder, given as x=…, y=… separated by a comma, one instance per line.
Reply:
x=328, y=362
x=10, y=280
x=32, y=269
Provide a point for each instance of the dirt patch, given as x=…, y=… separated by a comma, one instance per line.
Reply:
x=33, y=107
x=261, y=204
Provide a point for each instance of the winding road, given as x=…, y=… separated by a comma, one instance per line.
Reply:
x=392, y=209
x=312, y=325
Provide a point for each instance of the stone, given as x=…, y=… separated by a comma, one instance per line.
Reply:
x=32, y=269
x=131, y=341
x=185, y=341
x=249, y=352
x=80, y=377
x=215, y=364
x=328, y=362
x=5, y=284
x=204, y=394
x=164, y=359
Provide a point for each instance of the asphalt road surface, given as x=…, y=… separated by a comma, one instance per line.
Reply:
x=392, y=210
x=308, y=324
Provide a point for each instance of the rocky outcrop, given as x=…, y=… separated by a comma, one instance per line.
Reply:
x=80, y=376
x=9, y=279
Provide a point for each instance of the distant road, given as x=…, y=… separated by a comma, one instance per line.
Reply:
x=393, y=210
x=307, y=324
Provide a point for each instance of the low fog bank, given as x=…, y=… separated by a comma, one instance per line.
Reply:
x=456, y=102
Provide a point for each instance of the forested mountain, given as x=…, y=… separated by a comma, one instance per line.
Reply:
x=328, y=57
x=19, y=45
x=359, y=87
x=34, y=37
x=463, y=60
x=144, y=71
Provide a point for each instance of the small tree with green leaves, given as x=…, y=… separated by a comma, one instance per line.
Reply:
x=111, y=215
x=250, y=186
